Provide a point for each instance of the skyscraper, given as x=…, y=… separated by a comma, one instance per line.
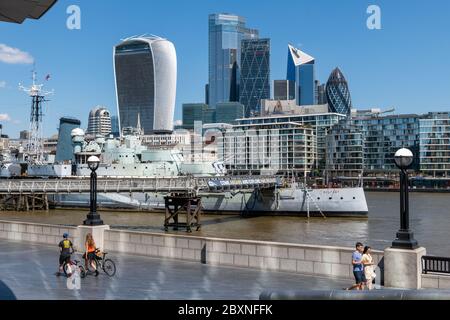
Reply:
x=338, y=94
x=300, y=68
x=321, y=97
x=99, y=121
x=145, y=70
x=284, y=90
x=255, y=74
x=225, y=34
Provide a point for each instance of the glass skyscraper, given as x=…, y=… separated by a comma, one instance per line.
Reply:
x=255, y=74
x=284, y=90
x=145, y=70
x=338, y=94
x=226, y=31
x=301, y=69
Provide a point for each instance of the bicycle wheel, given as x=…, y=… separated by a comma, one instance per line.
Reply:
x=67, y=268
x=109, y=267
x=82, y=272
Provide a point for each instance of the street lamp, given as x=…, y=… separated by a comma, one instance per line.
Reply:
x=405, y=237
x=93, y=218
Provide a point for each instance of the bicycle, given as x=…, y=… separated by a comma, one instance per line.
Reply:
x=107, y=265
x=67, y=267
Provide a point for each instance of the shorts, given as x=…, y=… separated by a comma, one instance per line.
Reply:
x=359, y=277
x=64, y=258
x=91, y=255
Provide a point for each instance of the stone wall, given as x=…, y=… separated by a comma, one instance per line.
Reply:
x=34, y=232
x=305, y=259
x=435, y=281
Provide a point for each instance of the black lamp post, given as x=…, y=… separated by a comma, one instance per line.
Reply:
x=93, y=218
x=405, y=237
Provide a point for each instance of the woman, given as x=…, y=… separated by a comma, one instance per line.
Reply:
x=367, y=262
x=89, y=256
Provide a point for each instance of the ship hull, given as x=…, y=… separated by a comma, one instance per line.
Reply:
x=345, y=202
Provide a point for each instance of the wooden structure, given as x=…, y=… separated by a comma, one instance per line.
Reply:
x=24, y=202
x=187, y=203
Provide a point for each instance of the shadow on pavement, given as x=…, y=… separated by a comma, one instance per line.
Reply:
x=5, y=292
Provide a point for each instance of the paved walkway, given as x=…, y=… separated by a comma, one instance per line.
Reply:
x=29, y=270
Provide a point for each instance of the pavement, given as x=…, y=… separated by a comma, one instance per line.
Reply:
x=29, y=271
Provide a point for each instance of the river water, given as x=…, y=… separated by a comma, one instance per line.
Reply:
x=429, y=212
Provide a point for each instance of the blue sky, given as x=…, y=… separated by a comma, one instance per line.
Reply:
x=404, y=65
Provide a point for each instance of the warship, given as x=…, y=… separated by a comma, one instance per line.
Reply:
x=127, y=157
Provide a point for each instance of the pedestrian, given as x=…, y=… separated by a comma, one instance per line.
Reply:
x=358, y=268
x=89, y=255
x=66, y=247
x=367, y=262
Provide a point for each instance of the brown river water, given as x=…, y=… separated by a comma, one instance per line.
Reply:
x=429, y=212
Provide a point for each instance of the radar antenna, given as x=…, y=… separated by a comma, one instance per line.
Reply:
x=35, y=146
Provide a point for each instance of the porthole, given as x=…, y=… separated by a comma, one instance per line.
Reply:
x=354, y=198
x=342, y=198
x=330, y=198
x=318, y=198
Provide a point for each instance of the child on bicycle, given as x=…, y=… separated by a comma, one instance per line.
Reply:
x=66, y=247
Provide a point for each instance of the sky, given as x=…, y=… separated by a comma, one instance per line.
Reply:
x=405, y=64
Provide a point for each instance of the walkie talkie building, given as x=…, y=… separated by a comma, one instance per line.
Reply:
x=145, y=71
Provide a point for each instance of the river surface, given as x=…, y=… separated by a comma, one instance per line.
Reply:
x=429, y=212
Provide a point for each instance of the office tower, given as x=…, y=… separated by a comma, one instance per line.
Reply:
x=64, y=148
x=321, y=93
x=99, y=121
x=207, y=94
x=145, y=70
x=284, y=90
x=338, y=94
x=226, y=31
x=300, y=68
x=115, y=126
x=255, y=74
x=193, y=112
x=228, y=112
x=24, y=135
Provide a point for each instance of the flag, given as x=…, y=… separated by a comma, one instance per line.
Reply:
x=47, y=77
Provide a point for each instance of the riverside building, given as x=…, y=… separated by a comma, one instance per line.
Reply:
x=286, y=148
x=315, y=117
x=434, y=130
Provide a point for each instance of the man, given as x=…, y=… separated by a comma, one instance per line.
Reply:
x=358, y=268
x=66, y=250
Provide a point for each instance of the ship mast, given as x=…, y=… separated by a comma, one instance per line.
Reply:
x=35, y=146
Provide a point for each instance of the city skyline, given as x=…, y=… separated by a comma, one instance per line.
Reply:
x=84, y=78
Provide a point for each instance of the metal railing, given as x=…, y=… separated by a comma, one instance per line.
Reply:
x=169, y=184
x=431, y=264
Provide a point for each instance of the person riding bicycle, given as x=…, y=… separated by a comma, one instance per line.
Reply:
x=89, y=255
x=66, y=251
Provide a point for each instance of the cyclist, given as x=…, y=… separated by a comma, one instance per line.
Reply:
x=66, y=247
x=89, y=256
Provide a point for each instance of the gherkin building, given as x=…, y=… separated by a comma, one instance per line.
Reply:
x=338, y=94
